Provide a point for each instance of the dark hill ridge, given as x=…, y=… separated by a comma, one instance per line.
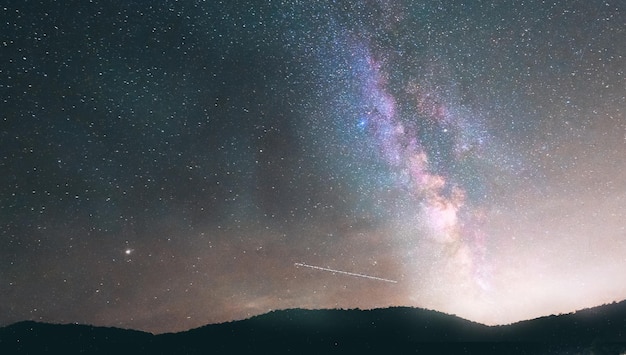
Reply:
x=600, y=330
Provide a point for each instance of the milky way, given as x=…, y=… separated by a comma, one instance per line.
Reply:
x=171, y=165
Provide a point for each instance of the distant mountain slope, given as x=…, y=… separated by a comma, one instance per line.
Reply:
x=600, y=330
x=606, y=323
x=42, y=338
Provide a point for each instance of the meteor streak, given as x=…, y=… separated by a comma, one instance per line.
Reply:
x=345, y=272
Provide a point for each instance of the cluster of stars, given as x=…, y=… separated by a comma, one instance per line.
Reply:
x=164, y=166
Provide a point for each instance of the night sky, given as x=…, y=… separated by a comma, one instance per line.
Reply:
x=168, y=164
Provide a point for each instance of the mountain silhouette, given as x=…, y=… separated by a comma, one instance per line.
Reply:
x=599, y=330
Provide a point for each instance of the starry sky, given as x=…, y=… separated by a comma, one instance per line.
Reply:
x=168, y=164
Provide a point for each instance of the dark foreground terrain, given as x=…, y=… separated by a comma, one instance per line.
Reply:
x=600, y=330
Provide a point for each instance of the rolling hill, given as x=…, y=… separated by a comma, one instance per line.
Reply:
x=599, y=330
